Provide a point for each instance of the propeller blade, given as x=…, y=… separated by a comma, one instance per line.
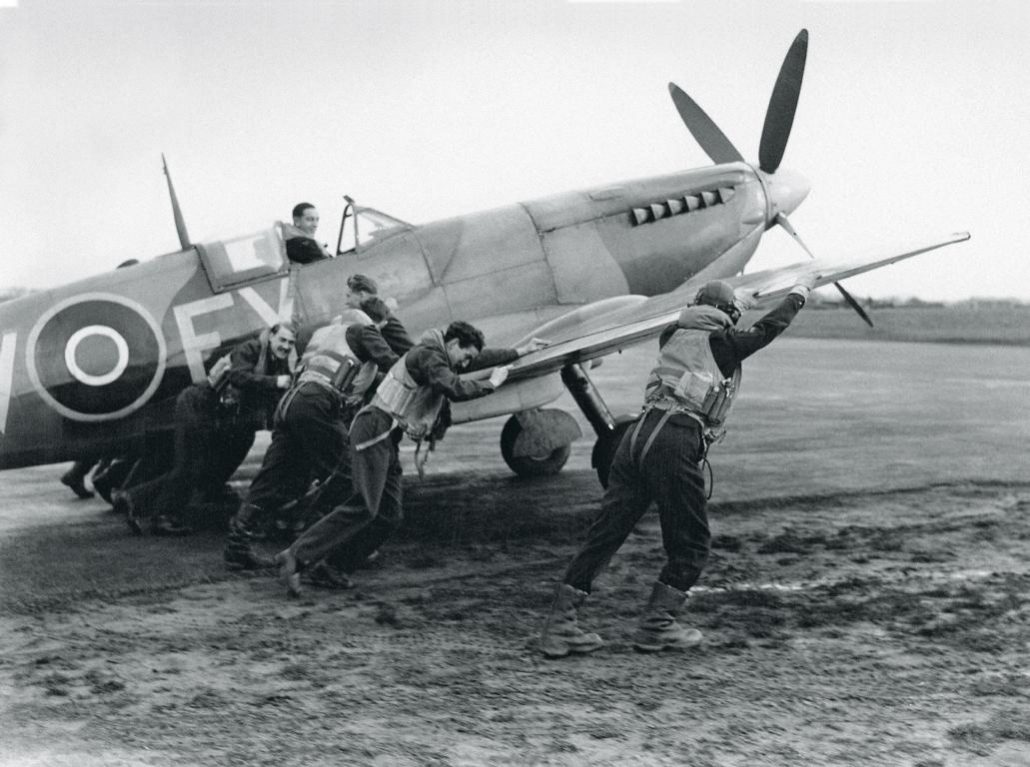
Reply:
x=783, y=221
x=853, y=304
x=779, y=117
x=703, y=128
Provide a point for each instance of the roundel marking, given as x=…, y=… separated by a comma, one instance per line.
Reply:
x=96, y=356
x=90, y=379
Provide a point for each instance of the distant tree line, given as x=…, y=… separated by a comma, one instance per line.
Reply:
x=834, y=301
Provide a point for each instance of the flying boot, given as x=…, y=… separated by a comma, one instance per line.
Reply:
x=562, y=634
x=75, y=477
x=103, y=485
x=325, y=576
x=107, y=479
x=658, y=629
x=123, y=504
x=239, y=551
x=289, y=572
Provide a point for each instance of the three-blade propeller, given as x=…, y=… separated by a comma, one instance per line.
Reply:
x=779, y=119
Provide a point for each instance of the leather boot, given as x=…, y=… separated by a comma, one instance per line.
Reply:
x=123, y=504
x=658, y=629
x=289, y=572
x=75, y=476
x=562, y=634
x=102, y=484
x=239, y=551
x=325, y=576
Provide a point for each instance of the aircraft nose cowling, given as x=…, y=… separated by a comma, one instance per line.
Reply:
x=786, y=189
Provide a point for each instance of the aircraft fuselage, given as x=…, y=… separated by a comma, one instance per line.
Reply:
x=93, y=368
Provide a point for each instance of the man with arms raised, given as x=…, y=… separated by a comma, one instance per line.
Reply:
x=687, y=398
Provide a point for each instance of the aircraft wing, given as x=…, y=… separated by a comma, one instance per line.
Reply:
x=593, y=331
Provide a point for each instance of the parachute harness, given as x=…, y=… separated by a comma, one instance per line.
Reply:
x=709, y=437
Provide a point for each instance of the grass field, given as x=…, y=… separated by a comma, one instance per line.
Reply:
x=997, y=324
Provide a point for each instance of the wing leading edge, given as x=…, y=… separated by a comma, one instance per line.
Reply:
x=626, y=325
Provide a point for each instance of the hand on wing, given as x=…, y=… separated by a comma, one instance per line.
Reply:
x=499, y=375
x=804, y=285
x=532, y=345
x=744, y=300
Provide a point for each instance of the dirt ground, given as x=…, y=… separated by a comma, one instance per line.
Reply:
x=867, y=603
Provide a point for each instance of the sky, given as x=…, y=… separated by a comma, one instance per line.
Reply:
x=912, y=120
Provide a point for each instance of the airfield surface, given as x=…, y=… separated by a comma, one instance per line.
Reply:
x=867, y=602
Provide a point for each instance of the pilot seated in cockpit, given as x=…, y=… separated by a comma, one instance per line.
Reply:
x=301, y=245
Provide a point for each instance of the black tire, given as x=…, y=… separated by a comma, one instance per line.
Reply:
x=605, y=447
x=528, y=466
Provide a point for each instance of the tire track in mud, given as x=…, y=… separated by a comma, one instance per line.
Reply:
x=391, y=580
x=843, y=631
x=460, y=523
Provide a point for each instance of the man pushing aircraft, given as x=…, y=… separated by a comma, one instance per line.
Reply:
x=687, y=398
x=412, y=397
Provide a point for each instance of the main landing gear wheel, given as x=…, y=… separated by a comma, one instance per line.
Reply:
x=606, y=445
x=541, y=462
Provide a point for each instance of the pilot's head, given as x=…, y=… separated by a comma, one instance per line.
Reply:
x=720, y=295
x=464, y=343
x=305, y=218
x=359, y=288
x=281, y=339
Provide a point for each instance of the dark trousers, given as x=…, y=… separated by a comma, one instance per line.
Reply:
x=669, y=475
x=308, y=442
x=205, y=456
x=355, y=529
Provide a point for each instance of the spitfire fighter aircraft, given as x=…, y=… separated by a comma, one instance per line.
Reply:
x=93, y=368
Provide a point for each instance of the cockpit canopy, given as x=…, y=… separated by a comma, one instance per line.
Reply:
x=262, y=254
x=245, y=258
x=362, y=227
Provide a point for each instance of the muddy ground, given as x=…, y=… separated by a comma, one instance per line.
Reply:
x=867, y=602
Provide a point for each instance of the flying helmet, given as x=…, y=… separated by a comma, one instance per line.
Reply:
x=720, y=295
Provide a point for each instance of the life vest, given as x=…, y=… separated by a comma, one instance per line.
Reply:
x=686, y=378
x=329, y=361
x=412, y=406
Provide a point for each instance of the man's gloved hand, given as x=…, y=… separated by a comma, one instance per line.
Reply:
x=532, y=345
x=743, y=300
x=500, y=375
x=804, y=286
